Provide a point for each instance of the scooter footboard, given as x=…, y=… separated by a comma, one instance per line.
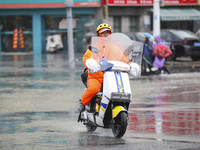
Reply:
x=117, y=110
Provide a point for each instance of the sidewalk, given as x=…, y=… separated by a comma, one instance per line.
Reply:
x=183, y=64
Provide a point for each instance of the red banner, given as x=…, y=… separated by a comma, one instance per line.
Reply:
x=148, y=2
x=130, y=2
x=181, y=2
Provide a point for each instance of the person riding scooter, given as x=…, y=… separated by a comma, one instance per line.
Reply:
x=116, y=57
x=95, y=75
x=94, y=80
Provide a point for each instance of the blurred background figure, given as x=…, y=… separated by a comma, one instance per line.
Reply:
x=160, y=51
x=147, y=54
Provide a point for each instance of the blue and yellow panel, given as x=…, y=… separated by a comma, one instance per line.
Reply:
x=119, y=82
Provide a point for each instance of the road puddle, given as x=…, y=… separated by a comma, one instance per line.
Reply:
x=166, y=122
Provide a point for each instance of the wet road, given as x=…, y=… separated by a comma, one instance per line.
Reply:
x=39, y=95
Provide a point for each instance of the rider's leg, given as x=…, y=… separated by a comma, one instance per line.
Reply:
x=94, y=86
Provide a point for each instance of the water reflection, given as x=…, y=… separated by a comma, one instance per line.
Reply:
x=15, y=64
x=40, y=66
x=40, y=70
x=18, y=61
x=185, y=94
x=168, y=122
x=37, y=60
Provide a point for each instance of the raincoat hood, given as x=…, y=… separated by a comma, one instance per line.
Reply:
x=158, y=39
x=147, y=35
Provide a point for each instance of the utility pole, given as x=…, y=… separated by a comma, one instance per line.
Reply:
x=106, y=13
x=156, y=17
x=69, y=4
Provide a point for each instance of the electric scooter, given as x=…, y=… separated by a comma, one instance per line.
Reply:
x=109, y=108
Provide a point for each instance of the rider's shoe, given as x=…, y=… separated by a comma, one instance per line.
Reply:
x=81, y=107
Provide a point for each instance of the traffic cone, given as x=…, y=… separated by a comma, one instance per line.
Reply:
x=15, y=39
x=21, y=38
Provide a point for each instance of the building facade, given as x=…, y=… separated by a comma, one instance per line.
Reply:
x=36, y=20
x=137, y=15
x=39, y=19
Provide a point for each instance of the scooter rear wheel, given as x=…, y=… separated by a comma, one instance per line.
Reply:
x=119, y=127
x=90, y=128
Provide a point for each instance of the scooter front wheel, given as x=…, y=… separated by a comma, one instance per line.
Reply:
x=119, y=127
x=90, y=128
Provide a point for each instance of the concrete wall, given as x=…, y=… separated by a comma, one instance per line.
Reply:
x=125, y=24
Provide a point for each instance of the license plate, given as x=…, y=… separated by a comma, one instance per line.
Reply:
x=197, y=44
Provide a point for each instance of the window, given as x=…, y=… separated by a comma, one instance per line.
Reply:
x=8, y=24
x=57, y=24
x=133, y=23
x=117, y=24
